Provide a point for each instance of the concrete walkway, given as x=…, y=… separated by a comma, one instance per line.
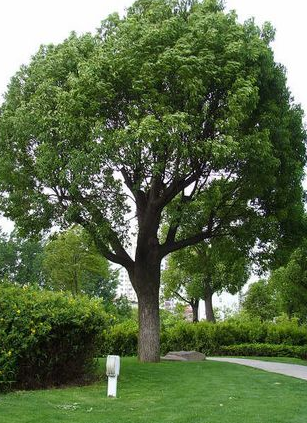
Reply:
x=294, y=370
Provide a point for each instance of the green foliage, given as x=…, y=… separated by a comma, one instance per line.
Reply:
x=208, y=338
x=260, y=301
x=287, y=332
x=290, y=284
x=121, y=339
x=199, y=271
x=122, y=308
x=284, y=292
x=212, y=338
x=46, y=338
x=72, y=263
x=182, y=94
x=175, y=104
x=169, y=318
x=7, y=256
x=264, y=350
x=21, y=259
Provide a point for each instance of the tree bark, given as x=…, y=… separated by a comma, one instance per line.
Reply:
x=146, y=282
x=208, y=303
x=195, y=305
x=209, y=309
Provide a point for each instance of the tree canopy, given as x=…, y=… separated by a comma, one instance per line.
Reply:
x=173, y=106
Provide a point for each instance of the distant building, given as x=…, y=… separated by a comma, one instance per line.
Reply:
x=124, y=287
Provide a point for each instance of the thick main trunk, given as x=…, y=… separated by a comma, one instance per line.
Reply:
x=149, y=329
x=146, y=281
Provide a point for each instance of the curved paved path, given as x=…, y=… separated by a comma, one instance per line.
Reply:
x=294, y=370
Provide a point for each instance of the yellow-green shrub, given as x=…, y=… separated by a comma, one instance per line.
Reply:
x=46, y=338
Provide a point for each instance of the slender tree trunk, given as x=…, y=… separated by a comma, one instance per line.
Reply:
x=209, y=309
x=208, y=293
x=146, y=282
x=195, y=306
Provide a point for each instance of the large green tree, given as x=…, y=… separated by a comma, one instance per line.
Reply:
x=172, y=102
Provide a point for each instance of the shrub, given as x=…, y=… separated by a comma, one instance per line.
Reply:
x=121, y=339
x=179, y=337
x=206, y=337
x=264, y=350
x=46, y=338
x=287, y=332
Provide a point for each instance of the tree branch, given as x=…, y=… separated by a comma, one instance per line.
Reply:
x=175, y=187
x=167, y=248
x=181, y=297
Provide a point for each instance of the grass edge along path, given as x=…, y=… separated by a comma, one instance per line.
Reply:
x=286, y=360
x=167, y=392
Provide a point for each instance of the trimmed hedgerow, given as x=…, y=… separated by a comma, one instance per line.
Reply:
x=47, y=338
x=286, y=332
x=264, y=350
x=207, y=337
x=121, y=339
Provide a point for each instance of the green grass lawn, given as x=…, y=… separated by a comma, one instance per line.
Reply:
x=203, y=392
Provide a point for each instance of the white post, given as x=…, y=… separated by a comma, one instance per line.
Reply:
x=113, y=367
x=112, y=386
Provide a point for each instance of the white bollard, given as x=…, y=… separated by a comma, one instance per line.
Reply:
x=113, y=367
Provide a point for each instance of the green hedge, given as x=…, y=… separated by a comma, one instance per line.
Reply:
x=46, y=338
x=207, y=337
x=264, y=350
x=121, y=339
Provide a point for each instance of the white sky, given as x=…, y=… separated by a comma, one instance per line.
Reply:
x=26, y=24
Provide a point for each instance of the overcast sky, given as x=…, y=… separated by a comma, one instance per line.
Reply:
x=26, y=24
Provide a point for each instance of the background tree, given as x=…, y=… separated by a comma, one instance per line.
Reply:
x=122, y=308
x=284, y=292
x=261, y=301
x=183, y=285
x=72, y=263
x=206, y=269
x=21, y=259
x=289, y=283
x=174, y=102
x=8, y=256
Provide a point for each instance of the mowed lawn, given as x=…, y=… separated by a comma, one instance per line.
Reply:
x=203, y=392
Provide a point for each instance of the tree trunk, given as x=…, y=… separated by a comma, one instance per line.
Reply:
x=208, y=293
x=149, y=329
x=195, y=305
x=146, y=282
x=209, y=309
